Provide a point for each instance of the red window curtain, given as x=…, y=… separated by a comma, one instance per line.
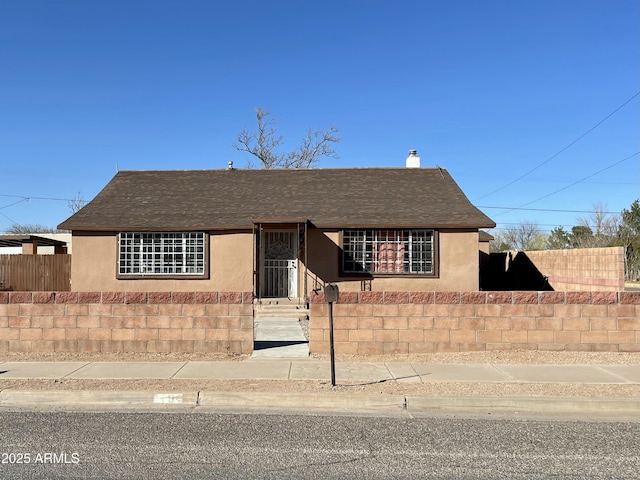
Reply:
x=388, y=251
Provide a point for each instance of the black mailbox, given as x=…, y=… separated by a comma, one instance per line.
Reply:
x=331, y=293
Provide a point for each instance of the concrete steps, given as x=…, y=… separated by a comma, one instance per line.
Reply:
x=280, y=308
x=277, y=329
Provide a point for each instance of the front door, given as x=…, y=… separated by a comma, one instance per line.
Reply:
x=280, y=264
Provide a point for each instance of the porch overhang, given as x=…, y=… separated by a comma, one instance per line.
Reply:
x=280, y=221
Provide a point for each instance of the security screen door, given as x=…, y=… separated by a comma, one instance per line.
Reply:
x=280, y=264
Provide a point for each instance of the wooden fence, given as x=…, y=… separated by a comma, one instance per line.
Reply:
x=35, y=273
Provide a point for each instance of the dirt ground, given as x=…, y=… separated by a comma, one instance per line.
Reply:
x=448, y=389
x=514, y=357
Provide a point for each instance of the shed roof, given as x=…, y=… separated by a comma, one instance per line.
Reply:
x=485, y=236
x=17, y=241
x=237, y=198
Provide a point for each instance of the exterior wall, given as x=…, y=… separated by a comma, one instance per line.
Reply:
x=15, y=251
x=94, y=264
x=375, y=323
x=185, y=322
x=582, y=269
x=457, y=259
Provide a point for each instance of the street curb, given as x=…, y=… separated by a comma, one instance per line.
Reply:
x=316, y=402
x=527, y=405
x=303, y=401
x=95, y=397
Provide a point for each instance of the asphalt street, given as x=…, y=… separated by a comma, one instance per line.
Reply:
x=203, y=444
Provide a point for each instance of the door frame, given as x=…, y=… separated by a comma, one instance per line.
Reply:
x=290, y=278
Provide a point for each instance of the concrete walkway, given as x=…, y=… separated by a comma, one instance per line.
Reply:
x=279, y=338
x=309, y=369
x=348, y=374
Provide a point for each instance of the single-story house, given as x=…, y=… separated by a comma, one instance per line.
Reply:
x=278, y=232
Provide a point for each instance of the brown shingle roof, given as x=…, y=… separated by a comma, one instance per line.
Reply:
x=223, y=199
x=485, y=236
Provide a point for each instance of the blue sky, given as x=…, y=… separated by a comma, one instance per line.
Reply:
x=494, y=91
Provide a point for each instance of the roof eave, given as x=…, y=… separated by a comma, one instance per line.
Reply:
x=242, y=226
x=451, y=226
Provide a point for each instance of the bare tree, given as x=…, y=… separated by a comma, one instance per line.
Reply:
x=28, y=228
x=523, y=236
x=265, y=142
x=603, y=226
x=76, y=203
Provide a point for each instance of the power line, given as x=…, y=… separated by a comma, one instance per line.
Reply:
x=26, y=198
x=562, y=150
x=542, y=210
x=10, y=219
x=544, y=180
x=12, y=204
x=574, y=183
x=540, y=224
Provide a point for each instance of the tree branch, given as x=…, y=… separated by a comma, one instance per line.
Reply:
x=264, y=144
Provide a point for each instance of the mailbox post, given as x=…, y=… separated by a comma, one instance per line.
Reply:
x=331, y=295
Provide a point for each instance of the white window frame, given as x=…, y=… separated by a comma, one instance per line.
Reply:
x=358, y=246
x=162, y=254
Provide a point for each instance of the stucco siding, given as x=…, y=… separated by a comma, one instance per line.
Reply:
x=457, y=259
x=231, y=260
x=94, y=264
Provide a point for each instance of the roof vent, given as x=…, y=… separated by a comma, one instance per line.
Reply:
x=230, y=166
x=413, y=160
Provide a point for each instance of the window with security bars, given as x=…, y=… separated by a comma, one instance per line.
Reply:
x=162, y=253
x=388, y=251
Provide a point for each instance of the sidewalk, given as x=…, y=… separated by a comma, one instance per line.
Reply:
x=412, y=387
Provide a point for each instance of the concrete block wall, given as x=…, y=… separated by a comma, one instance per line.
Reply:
x=582, y=269
x=185, y=322
x=376, y=323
